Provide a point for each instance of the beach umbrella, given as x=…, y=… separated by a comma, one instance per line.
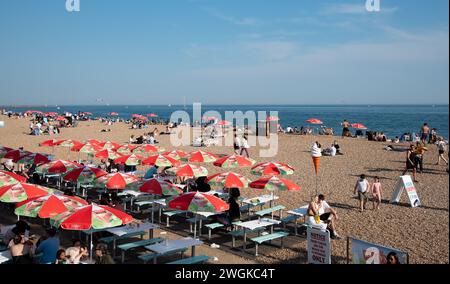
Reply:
x=175, y=154
x=32, y=159
x=34, y=112
x=228, y=180
x=84, y=175
x=60, y=118
x=94, y=142
x=21, y=191
x=156, y=187
x=113, y=114
x=129, y=160
x=200, y=157
x=56, y=167
x=126, y=149
x=51, y=114
x=91, y=216
x=208, y=118
x=274, y=183
x=16, y=154
x=314, y=121
x=272, y=169
x=68, y=143
x=234, y=161
x=358, y=126
x=152, y=115
x=161, y=161
x=115, y=181
x=48, y=143
x=4, y=150
x=272, y=118
x=108, y=154
x=48, y=206
x=8, y=178
x=86, y=148
x=147, y=149
x=198, y=202
x=87, y=113
x=109, y=145
x=223, y=123
x=188, y=171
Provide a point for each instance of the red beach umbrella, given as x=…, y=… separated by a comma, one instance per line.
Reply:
x=16, y=154
x=152, y=115
x=228, y=180
x=272, y=169
x=200, y=157
x=175, y=154
x=115, y=181
x=109, y=145
x=156, y=187
x=8, y=178
x=49, y=143
x=32, y=159
x=234, y=161
x=223, y=123
x=161, y=161
x=274, y=183
x=113, y=114
x=84, y=175
x=129, y=160
x=56, y=167
x=188, y=171
x=272, y=118
x=51, y=114
x=314, y=121
x=48, y=206
x=108, y=154
x=199, y=202
x=358, y=126
x=22, y=191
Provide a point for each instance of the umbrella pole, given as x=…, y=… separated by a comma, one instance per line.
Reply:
x=195, y=226
x=90, y=253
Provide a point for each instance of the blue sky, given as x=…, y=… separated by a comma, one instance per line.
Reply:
x=224, y=52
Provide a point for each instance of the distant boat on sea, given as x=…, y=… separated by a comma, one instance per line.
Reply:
x=169, y=105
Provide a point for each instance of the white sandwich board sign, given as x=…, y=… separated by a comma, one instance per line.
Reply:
x=319, y=246
x=405, y=183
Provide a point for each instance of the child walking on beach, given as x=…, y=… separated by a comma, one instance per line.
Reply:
x=362, y=187
x=376, y=193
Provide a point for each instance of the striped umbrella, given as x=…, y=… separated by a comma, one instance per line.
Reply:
x=161, y=161
x=68, y=143
x=4, y=150
x=234, y=161
x=94, y=141
x=56, y=167
x=274, y=183
x=228, y=180
x=126, y=149
x=156, y=187
x=109, y=145
x=175, y=154
x=200, y=157
x=21, y=191
x=188, y=171
x=48, y=206
x=272, y=169
x=16, y=154
x=86, y=148
x=115, y=181
x=84, y=175
x=8, y=178
x=148, y=149
x=48, y=143
x=199, y=202
x=108, y=154
x=32, y=159
x=129, y=160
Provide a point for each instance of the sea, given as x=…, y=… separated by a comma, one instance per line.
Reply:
x=393, y=120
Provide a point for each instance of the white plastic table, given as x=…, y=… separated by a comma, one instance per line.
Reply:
x=128, y=229
x=256, y=224
x=170, y=245
x=301, y=212
x=5, y=256
x=261, y=200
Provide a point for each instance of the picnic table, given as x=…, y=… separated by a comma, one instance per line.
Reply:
x=257, y=224
x=171, y=245
x=261, y=200
x=301, y=212
x=5, y=256
x=200, y=216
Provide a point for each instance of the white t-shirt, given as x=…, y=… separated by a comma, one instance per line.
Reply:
x=333, y=151
x=362, y=185
x=244, y=143
x=324, y=207
x=441, y=145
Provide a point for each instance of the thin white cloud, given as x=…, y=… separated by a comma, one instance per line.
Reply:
x=246, y=21
x=271, y=50
x=353, y=9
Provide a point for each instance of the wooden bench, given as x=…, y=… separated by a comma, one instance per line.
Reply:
x=192, y=260
x=267, y=211
x=240, y=233
x=213, y=226
x=133, y=245
x=270, y=237
x=154, y=256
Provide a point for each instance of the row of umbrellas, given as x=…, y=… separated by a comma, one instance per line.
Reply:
x=353, y=125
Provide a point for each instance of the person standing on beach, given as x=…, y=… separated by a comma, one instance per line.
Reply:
x=245, y=146
x=345, y=128
x=236, y=144
x=376, y=193
x=425, y=133
x=442, y=148
x=411, y=162
x=362, y=186
x=420, y=152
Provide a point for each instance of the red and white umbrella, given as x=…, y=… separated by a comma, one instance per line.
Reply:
x=22, y=191
x=69, y=143
x=48, y=143
x=48, y=206
x=199, y=202
x=56, y=167
x=175, y=154
x=16, y=154
x=86, y=148
x=359, y=126
x=161, y=161
x=113, y=113
x=126, y=149
x=200, y=157
x=115, y=181
x=84, y=175
x=146, y=149
x=34, y=112
x=314, y=121
x=129, y=160
x=32, y=159
x=152, y=115
x=8, y=178
x=274, y=183
x=51, y=114
x=109, y=145
x=188, y=171
x=4, y=150
x=223, y=123
x=156, y=187
x=107, y=154
x=272, y=169
x=228, y=180
x=234, y=161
